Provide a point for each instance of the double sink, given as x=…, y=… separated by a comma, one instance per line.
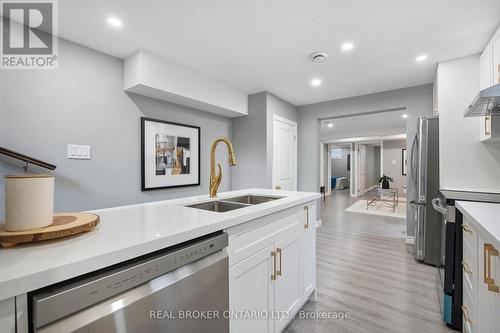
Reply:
x=228, y=204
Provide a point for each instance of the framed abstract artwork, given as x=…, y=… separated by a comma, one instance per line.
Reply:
x=170, y=154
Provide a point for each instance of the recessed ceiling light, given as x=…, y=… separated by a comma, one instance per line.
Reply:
x=421, y=58
x=347, y=46
x=115, y=22
x=330, y=125
x=405, y=116
x=315, y=82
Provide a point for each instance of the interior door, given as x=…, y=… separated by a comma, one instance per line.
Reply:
x=284, y=154
x=252, y=289
x=361, y=169
x=287, y=292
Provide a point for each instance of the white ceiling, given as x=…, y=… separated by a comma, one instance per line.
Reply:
x=263, y=44
x=377, y=124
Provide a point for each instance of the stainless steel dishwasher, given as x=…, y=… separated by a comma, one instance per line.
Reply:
x=180, y=289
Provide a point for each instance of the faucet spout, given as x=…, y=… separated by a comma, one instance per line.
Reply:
x=216, y=179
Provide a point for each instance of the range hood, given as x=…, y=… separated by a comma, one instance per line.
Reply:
x=487, y=103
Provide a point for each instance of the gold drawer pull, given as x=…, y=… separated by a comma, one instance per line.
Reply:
x=465, y=313
x=489, y=251
x=306, y=209
x=278, y=273
x=466, y=267
x=273, y=276
x=466, y=228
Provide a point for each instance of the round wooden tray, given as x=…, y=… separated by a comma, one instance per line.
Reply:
x=65, y=224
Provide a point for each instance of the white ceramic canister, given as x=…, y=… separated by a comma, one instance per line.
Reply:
x=29, y=201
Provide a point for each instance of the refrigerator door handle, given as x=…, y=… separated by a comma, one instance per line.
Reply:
x=412, y=160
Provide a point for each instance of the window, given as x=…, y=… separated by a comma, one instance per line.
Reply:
x=336, y=154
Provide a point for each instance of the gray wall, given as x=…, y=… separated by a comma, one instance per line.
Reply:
x=372, y=165
x=417, y=101
x=339, y=167
x=253, y=139
x=393, y=151
x=249, y=141
x=83, y=102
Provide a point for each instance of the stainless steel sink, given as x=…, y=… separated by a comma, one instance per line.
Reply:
x=218, y=206
x=252, y=199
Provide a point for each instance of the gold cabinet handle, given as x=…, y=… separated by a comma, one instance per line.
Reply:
x=466, y=228
x=278, y=187
x=273, y=276
x=466, y=267
x=278, y=272
x=306, y=210
x=489, y=251
x=465, y=313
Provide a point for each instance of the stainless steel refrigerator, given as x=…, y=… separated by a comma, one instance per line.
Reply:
x=424, y=178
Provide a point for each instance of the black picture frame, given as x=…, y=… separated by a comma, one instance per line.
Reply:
x=143, y=154
x=404, y=162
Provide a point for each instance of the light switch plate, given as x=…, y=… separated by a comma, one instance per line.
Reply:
x=79, y=152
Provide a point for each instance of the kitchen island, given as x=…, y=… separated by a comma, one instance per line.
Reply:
x=129, y=232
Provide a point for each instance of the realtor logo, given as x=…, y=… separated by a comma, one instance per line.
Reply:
x=28, y=34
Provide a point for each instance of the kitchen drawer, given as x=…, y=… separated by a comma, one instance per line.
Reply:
x=468, y=313
x=470, y=272
x=251, y=237
x=470, y=235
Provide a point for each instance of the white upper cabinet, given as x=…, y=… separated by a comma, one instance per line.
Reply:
x=489, y=75
x=485, y=68
x=495, y=54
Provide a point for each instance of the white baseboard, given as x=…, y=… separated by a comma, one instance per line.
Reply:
x=319, y=223
x=410, y=240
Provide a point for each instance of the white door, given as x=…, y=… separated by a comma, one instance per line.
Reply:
x=361, y=169
x=287, y=292
x=284, y=154
x=251, y=289
x=308, y=251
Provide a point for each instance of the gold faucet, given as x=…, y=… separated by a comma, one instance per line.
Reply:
x=215, y=179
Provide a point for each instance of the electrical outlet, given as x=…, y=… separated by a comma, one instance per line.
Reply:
x=79, y=152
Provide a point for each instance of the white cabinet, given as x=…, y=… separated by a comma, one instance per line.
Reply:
x=485, y=68
x=308, y=251
x=288, y=291
x=272, y=269
x=481, y=280
x=251, y=289
x=489, y=75
x=7, y=316
x=495, y=56
x=488, y=303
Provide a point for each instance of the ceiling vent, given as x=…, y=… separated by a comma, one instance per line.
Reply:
x=318, y=57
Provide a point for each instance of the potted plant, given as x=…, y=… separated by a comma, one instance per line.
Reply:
x=385, y=181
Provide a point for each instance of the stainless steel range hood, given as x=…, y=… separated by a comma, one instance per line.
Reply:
x=487, y=103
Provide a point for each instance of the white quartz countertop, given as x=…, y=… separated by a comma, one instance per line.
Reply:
x=125, y=233
x=486, y=216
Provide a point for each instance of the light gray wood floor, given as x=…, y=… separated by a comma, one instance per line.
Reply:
x=364, y=267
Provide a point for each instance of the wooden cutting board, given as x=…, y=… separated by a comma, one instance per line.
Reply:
x=65, y=224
